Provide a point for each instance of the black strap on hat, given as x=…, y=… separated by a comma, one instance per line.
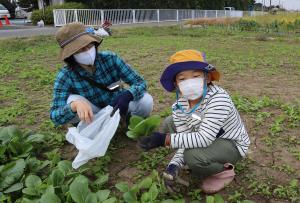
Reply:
x=67, y=41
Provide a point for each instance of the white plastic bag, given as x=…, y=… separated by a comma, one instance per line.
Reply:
x=41, y=23
x=92, y=139
x=101, y=32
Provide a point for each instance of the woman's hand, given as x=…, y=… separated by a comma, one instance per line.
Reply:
x=122, y=102
x=83, y=109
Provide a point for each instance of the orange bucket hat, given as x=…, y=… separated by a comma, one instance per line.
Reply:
x=186, y=60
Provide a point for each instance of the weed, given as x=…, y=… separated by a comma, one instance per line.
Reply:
x=296, y=153
x=195, y=194
x=260, y=188
x=150, y=161
x=276, y=127
x=293, y=140
x=285, y=168
x=261, y=117
x=253, y=104
x=293, y=113
x=235, y=197
x=290, y=191
x=270, y=141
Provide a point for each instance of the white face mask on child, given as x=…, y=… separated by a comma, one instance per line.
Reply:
x=192, y=89
x=86, y=57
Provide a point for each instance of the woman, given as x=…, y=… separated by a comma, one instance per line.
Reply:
x=90, y=80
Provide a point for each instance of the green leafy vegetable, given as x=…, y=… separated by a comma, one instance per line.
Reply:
x=15, y=144
x=32, y=184
x=56, y=178
x=122, y=187
x=11, y=173
x=15, y=187
x=142, y=127
x=50, y=198
x=102, y=195
x=79, y=189
x=134, y=121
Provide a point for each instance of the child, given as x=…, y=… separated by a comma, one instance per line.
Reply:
x=205, y=126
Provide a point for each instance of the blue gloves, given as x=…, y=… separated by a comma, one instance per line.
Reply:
x=155, y=140
x=171, y=171
x=122, y=102
x=170, y=176
x=172, y=179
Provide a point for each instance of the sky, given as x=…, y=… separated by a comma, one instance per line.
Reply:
x=287, y=4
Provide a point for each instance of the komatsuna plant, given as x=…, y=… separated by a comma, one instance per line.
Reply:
x=138, y=126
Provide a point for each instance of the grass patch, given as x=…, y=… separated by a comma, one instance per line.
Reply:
x=253, y=71
x=283, y=22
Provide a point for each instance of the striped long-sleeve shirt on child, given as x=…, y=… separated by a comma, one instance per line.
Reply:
x=216, y=112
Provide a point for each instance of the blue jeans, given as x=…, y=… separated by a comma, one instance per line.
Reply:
x=142, y=107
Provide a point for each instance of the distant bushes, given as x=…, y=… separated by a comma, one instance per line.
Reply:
x=213, y=21
x=248, y=25
x=47, y=17
x=284, y=22
x=274, y=26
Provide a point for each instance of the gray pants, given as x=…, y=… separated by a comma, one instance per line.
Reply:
x=210, y=160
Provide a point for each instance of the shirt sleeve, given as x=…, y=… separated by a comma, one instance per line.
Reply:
x=179, y=124
x=61, y=112
x=178, y=159
x=216, y=112
x=137, y=84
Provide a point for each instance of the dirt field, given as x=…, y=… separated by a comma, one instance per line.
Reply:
x=262, y=76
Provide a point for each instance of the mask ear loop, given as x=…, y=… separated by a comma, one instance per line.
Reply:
x=205, y=86
x=178, y=106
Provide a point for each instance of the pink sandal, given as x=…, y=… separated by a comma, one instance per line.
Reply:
x=217, y=182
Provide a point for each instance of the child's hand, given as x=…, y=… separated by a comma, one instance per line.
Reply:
x=155, y=140
x=169, y=176
x=171, y=179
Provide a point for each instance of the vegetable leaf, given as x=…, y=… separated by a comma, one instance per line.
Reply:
x=79, y=189
x=134, y=120
x=33, y=181
x=50, y=198
x=142, y=127
x=11, y=172
x=15, y=187
x=102, y=195
x=122, y=187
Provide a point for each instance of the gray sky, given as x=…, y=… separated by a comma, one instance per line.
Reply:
x=287, y=4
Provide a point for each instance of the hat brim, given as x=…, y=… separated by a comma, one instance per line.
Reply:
x=168, y=77
x=78, y=44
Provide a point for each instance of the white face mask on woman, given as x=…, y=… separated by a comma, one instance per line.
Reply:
x=192, y=89
x=86, y=57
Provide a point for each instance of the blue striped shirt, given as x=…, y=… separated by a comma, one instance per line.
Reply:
x=110, y=68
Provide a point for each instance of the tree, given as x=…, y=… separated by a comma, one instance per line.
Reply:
x=33, y=4
x=167, y=4
x=9, y=6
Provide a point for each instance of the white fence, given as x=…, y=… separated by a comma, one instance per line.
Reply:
x=95, y=17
